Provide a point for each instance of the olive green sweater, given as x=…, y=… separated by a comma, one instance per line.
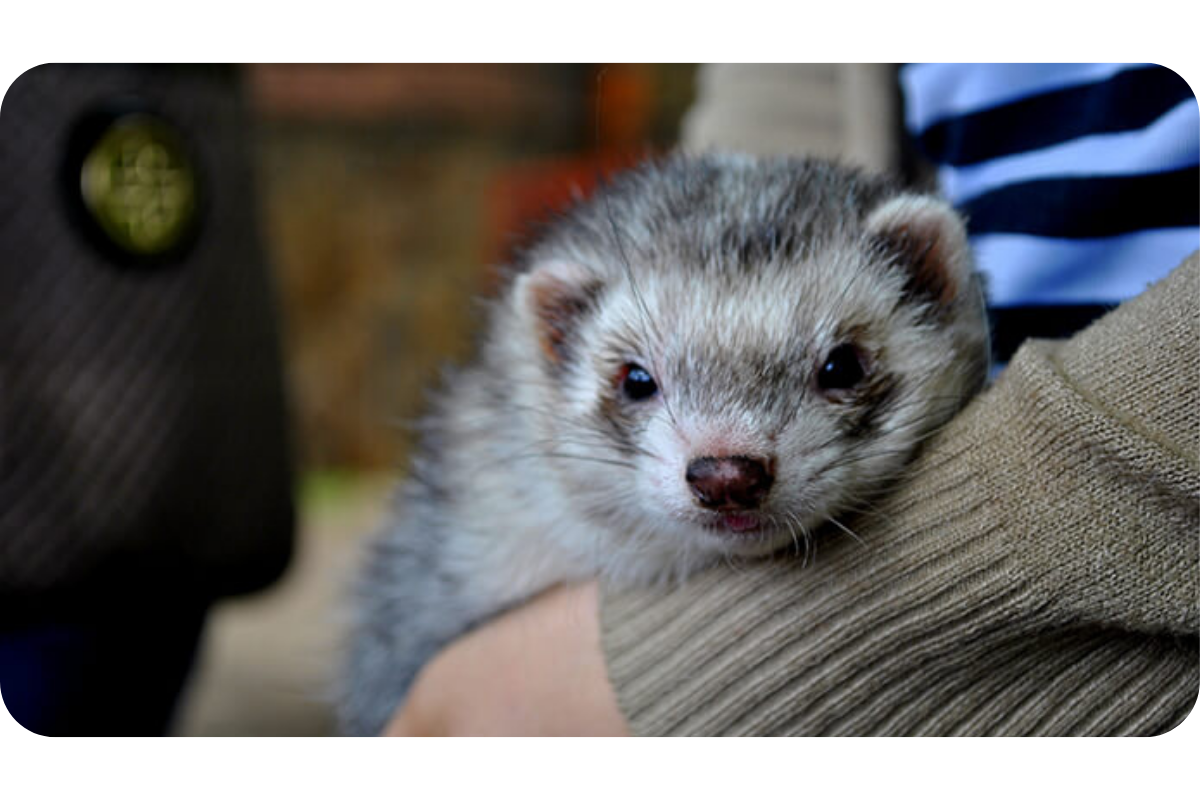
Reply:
x=1037, y=572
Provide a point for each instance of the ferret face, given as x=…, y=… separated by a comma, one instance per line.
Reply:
x=713, y=397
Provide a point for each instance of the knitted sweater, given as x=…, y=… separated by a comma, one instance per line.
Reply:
x=1037, y=572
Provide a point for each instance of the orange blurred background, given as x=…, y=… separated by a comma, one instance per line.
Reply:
x=389, y=194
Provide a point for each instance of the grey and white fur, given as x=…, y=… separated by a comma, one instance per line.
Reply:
x=711, y=358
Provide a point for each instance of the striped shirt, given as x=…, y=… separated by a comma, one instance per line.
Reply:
x=1080, y=182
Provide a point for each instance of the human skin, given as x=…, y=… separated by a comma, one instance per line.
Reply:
x=537, y=670
x=1120, y=392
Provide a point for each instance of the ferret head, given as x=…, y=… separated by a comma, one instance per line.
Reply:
x=732, y=351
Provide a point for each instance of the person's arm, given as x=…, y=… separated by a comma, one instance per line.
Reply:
x=535, y=671
x=1035, y=573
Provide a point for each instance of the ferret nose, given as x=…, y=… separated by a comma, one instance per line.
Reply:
x=732, y=482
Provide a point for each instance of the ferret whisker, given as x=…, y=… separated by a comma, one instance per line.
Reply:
x=849, y=532
x=571, y=456
x=839, y=305
x=537, y=453
x=810, y=545
x=792, y=522
x=883, y=454
x=603, y=444
x=647, y=320
x=921, y=438
x=857, y=505
x=542, y=460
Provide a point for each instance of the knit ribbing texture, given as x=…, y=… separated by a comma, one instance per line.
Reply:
x=1035, y=573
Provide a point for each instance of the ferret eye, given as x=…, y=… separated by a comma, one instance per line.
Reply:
x=636, y=383
x=843, y=369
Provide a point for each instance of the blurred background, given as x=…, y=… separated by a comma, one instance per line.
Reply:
x=387, y=195
x=389, y=192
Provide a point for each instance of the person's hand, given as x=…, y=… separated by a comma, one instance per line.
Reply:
x=535, y=671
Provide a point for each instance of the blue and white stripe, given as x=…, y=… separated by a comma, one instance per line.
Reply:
x=936, y=92
x=954, y=105
x=1167, y=144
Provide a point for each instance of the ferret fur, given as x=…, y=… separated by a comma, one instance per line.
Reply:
x=729, y=278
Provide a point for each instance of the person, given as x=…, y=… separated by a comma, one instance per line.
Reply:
x=1035, y=573
x=144, y=458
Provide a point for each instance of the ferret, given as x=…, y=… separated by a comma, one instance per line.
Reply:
x=712, y=356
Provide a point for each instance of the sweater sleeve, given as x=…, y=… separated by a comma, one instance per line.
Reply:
x=1036, y=572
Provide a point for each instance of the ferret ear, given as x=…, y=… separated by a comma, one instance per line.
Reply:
x=555, y=295
x=927, y=238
